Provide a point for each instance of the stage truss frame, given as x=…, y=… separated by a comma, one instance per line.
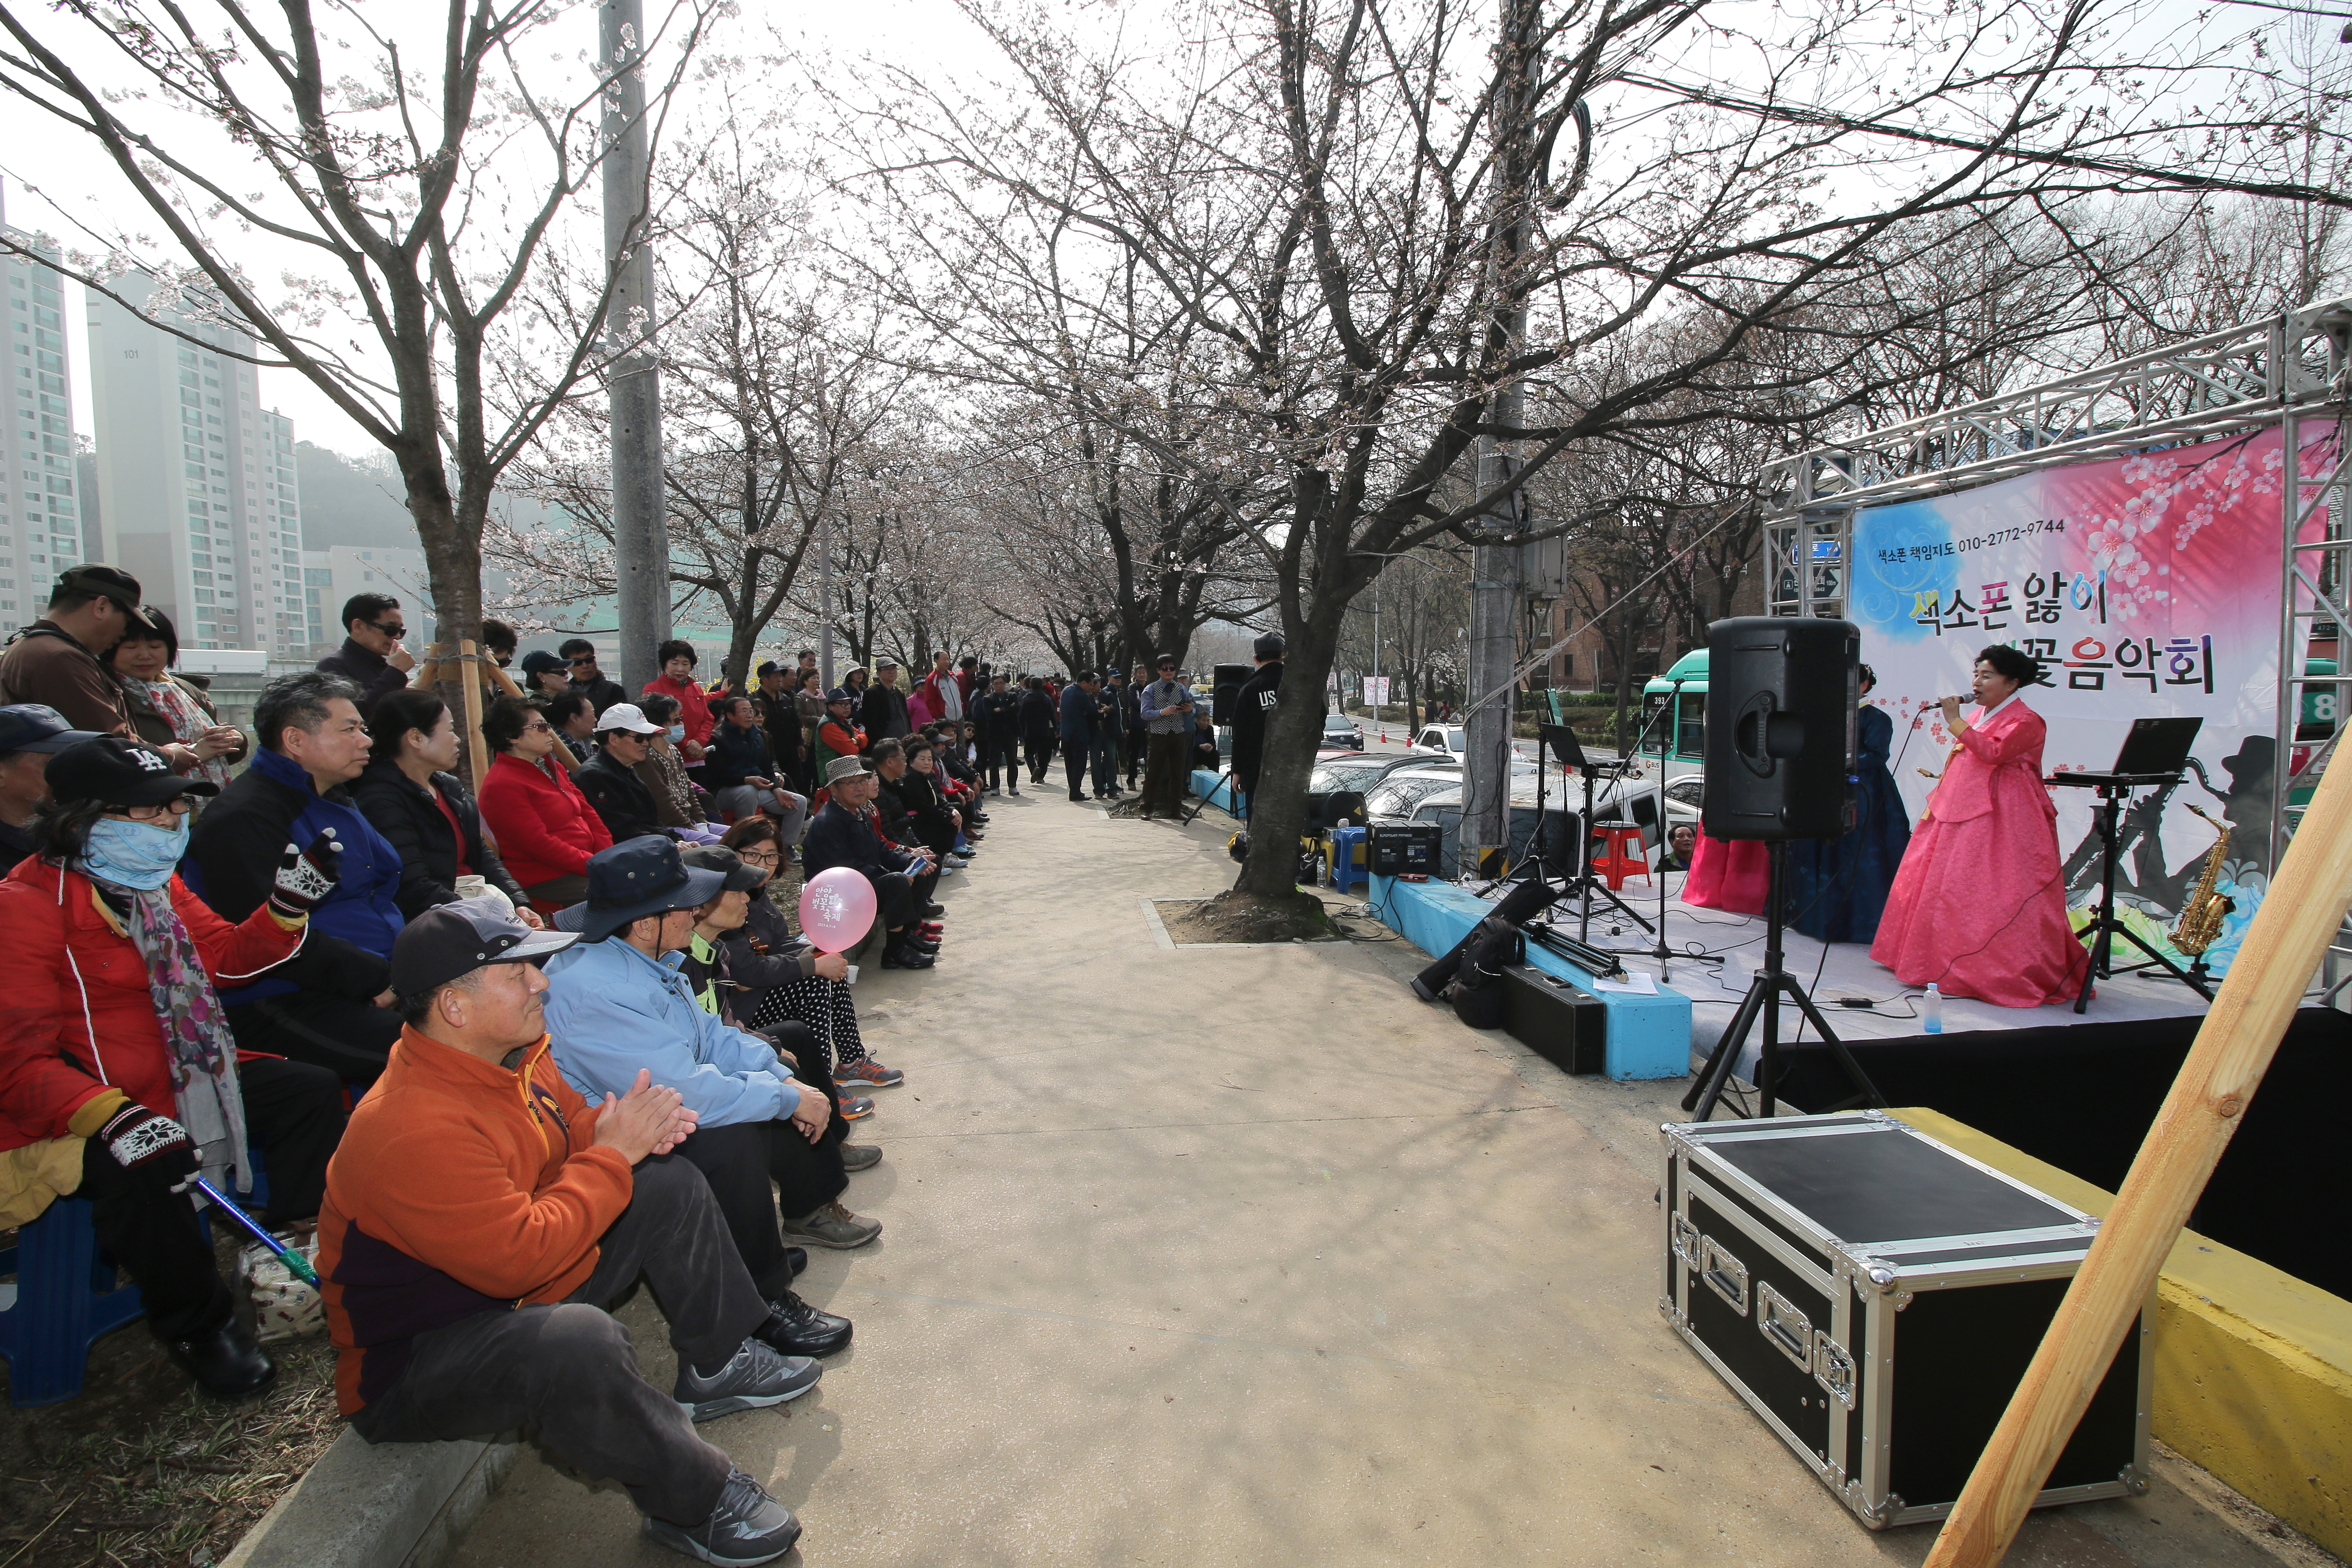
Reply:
x=2293, y=369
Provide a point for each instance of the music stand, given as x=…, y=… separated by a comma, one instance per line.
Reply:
x=2155, y=753
x=1561, y=743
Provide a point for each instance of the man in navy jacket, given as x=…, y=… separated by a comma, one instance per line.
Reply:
x=1080, y=721
x=845, y=833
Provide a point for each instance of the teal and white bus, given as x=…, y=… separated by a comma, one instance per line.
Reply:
x=1678, y=743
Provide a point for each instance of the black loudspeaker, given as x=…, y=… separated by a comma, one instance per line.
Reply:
x=1399, y=849
x=1228, y=680
x=1566, y=1026
x=1782, y=698
x=1326, y=811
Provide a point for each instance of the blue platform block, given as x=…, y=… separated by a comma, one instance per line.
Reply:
x=66, y=1298
x=1217, y=789
x=1649, y=1036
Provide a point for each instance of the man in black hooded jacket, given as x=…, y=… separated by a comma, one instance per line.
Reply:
x=1253, y=709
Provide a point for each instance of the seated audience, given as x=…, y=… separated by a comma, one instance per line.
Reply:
x=411, y=793
x=838, y=735
x=545, y=828
x=778, y=976
x=372, y=656
x=58, y=661
x=481, y=1216
x=329, y=1005
x=678, y=804
x=845, y=833
x=602, y=690
x=741, y=774
x=676, y=682
x=110, y=1004
x=616, y=1003
x=610, y=781
x=936, y=825
x=167, y=710
x=1682, y=843
x=544, y=676
x=1204, y=744
x=30, y=734
x=574, y=718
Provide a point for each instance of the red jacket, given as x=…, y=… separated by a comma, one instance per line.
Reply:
x=545, y=826
x=76, y=1014
x=693, y=707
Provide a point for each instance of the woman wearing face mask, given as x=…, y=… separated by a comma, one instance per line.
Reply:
x=412, y=795
x=166, y=708
x=119, y=1077
x=692, y=726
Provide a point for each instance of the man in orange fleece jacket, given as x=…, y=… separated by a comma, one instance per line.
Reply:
x=479, y=1217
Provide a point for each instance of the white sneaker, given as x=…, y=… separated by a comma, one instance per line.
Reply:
x=955, y=863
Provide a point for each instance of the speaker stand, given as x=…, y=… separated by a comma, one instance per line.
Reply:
x=1771, y=982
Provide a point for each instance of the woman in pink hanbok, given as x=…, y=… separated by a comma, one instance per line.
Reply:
x=1734, y=874
x=1978, y=907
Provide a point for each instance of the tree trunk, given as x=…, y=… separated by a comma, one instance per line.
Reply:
x=1278, y=807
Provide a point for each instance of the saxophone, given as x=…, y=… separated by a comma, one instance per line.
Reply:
x=2200, y=916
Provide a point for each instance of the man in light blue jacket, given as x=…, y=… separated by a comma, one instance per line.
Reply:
x=618, y=1003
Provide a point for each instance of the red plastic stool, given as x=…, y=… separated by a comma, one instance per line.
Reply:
x=1613, y=863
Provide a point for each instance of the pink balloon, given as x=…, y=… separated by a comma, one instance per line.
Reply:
x=837, y=908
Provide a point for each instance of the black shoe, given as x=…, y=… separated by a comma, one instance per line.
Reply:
x=747, y=1526
x=796, y=1328
x=933, y=912
x=796, y=1259
x=860, y=1157
x=920, y=943
x=904, y=957
x=1076, y=795
x=225, y=1363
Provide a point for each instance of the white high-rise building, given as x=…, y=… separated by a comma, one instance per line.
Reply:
x=195, y=479
x=40, y=523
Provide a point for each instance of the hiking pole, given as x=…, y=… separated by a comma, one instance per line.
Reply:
x=296, y=1264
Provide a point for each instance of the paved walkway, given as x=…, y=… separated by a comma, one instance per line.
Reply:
x=1241, y=1256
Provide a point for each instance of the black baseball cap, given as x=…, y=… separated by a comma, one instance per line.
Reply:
x=741, y=877
x=838, y=694
x=769, y=667
x=101, y=582
x=38, y=727
x=452, y=940
x=115, y=770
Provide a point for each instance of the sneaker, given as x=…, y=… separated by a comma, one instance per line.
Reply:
x=747, y=1526
x=930, y=931
x=1014, y=793
x=796, y=1328
x=867, y=1073
x=856, y=1109
x=955, y=862
x=754, y=1375
x=834, y=1227
x=860, y=1157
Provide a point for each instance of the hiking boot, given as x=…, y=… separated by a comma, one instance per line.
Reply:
x=867, y=1073
x=754, y=1375
x=856, y=1109
x=747, y=1526
x=796, y=1328
x=834, y=1227
x=860, y=1157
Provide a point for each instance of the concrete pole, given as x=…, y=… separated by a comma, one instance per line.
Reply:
x=1495, y=568
x=640, y=522
x=825, y=609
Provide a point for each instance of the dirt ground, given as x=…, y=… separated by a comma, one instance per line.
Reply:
x=142, y=1470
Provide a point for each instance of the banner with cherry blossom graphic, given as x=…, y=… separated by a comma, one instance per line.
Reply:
x=2146, y=586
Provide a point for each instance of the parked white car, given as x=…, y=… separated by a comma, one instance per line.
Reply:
x=1441, y=741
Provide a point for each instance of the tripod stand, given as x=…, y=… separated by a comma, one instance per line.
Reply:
x=1561, y=743
x=1203, y=804
x=2114, y=792
x=1764, y=993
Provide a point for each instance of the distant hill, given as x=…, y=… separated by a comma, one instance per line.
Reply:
x=352, y=501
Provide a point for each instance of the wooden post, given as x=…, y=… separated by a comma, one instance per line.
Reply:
x=477, y=753
x=2302, y=912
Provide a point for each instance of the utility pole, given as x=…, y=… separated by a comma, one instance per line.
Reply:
x=1495, y=568
x=640, y=522
x=825, y=609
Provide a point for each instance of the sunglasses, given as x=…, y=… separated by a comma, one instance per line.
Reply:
x=539, y=727
x=583, y=658
x=394, y=630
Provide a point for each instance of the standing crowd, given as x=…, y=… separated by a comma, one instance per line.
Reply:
x=495, y=1055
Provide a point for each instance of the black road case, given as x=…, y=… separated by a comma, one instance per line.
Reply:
x=1560, y=1022
x=1875, y=1296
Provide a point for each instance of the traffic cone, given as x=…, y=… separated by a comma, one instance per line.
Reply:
x=1384, y=737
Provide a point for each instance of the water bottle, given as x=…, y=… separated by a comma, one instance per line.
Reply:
x=1933, y=1009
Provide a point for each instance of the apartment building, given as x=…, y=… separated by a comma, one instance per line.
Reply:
x=197, y=481
x=41, y=522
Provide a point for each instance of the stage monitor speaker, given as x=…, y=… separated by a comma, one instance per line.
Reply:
x=1566, y=1026
x=1228, y=680
x=1326, y=811
x=1403, y=848
x=1782, y=699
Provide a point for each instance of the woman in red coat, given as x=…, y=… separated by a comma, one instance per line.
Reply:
x=119, y=1077
x=545, y=828
x=1978, y=907
x=677, y=679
